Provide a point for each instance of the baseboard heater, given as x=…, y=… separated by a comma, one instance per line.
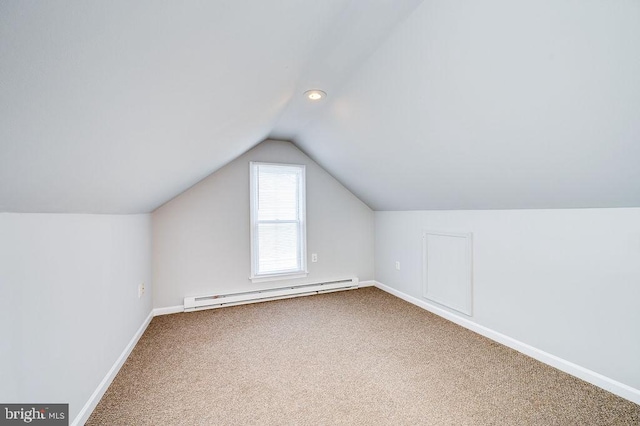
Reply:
x=213, y=301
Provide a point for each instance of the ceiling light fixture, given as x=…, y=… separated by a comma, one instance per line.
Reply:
x=315, y=94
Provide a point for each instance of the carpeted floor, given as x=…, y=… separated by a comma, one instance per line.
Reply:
x=360, y=357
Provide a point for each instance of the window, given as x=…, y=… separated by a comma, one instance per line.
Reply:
x=278, y=229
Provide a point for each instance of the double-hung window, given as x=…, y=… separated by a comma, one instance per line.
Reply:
x=278, y=229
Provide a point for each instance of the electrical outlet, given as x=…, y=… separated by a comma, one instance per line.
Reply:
x=397, y=265
x=314, y=257
x=140, y=290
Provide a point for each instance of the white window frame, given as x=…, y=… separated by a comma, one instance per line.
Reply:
x=302, y=225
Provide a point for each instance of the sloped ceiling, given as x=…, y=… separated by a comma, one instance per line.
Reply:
x=118, y=106
x=492, y=104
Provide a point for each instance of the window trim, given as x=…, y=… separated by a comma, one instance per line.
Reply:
x=253, y=198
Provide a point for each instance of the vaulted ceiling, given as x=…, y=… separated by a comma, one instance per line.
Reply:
x=118, y=106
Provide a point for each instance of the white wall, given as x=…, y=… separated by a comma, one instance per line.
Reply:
x=201, y=238
x=68, y=301
x=564, y=281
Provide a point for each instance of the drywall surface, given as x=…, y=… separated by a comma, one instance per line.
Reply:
x=115, y=107
x=201, y=242
x=563, y=281
x=492, y=104
x=68, y=302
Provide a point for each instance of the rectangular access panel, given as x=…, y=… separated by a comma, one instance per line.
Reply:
x=447, y=269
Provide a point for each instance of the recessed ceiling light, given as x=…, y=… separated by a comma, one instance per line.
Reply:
x=315, y=94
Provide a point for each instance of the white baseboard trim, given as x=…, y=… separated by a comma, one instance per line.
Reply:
x=597, y=379
x=168, y=310
x=88, y=408
x=369, y=283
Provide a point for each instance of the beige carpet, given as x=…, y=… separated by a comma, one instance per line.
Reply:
x=359, y=357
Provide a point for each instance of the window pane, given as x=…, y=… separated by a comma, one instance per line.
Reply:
x=278, y=247
x=277, y=193
x=277, y=220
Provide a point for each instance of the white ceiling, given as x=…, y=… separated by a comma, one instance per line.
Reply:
x=118, y=106
x=492, y=104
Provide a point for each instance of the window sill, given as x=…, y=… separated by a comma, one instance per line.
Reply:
x=278, y=277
